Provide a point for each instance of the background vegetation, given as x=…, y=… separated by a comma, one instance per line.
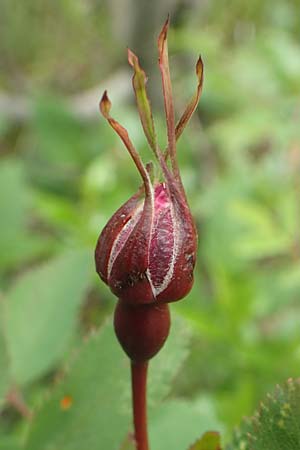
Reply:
x=63, y=173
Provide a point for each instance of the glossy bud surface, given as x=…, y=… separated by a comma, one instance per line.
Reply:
x=148, y=254
x=141, y=330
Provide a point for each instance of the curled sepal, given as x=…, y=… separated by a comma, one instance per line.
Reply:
x=105, y=106
x=167, y=93
x=192, y=105
x=139, y=81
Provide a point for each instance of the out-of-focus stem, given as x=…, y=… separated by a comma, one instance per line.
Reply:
x=16, y=400
x=139, y=402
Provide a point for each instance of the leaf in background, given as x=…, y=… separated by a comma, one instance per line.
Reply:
x=8, y=442
x=13, y=198
x=180, y=422
x=4, y=367
x=275, y=425
x=282, y=52
x=97, y=413
x=262, y=235
x=91, y=407
x=164, y=367
x=290, y=277
x=60, y=136
x=40, y=313
x=129, y=443
x=16, y=242
x=209, y=441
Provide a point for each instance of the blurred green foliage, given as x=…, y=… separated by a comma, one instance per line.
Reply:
x=63, y=174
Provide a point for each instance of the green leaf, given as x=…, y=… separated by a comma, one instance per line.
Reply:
x=209, y=441
x=98, y=413
x=8, y=442
x=262, y=235
x=91, y=406
x=164, y=367
x=275, y=425
x=180, y=422
x=60, y=135
x=4, y=368
x=13, y=201
x=129, y=443
x=16, y=242
x=40, y=313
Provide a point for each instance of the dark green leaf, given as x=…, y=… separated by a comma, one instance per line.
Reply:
x=209, y=441
x=40, y=313
x=276, y=425
x=91, y=407
x=180, y=422
x=4, y=368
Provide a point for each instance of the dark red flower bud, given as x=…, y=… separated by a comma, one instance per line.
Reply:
x=146, y=252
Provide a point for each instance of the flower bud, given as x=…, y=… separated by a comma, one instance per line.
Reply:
x=147, y=251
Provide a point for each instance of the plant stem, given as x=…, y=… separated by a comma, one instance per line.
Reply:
x=16, y=400
x=139, y=402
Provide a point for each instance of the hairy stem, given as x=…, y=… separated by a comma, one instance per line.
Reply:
x=139, y=402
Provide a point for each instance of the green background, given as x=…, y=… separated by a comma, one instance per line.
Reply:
x=63, y=172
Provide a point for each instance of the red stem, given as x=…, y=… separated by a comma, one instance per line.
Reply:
x=139, y=392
